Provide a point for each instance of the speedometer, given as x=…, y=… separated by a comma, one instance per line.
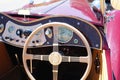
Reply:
x=64, y=34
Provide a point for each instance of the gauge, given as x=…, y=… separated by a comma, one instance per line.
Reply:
x=64, y=35
x=11, y=29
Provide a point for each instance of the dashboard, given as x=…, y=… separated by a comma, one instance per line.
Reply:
x=15, y=32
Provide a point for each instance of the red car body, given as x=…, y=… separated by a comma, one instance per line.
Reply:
x=113, y=38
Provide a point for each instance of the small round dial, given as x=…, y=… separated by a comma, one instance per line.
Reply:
x=11, y=29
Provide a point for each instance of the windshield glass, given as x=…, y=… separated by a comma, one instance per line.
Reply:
x=8, y=5
x=80, y=8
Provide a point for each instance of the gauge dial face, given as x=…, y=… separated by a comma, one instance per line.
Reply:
x=64, y=35
x=11, y=29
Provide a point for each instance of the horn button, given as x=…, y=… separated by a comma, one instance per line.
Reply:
x=55, y=58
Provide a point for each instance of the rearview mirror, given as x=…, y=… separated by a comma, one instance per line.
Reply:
x=115, y=4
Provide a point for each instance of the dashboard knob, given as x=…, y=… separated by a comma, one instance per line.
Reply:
x=27, y=33
x=19, y=32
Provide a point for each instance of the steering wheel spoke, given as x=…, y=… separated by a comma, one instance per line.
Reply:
x=55, y=47
x=55, y=41
x=36, y=57
x=28, y=56
x=55, y=72
x=75, y=59
x=41, y=57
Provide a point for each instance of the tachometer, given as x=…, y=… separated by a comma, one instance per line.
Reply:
x=64, y=34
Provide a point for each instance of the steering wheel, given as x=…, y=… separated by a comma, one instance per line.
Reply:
x=55, y=58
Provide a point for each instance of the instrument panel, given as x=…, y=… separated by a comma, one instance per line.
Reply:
x=15, y=32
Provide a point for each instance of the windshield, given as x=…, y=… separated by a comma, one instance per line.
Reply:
x=17, y=4
x=79, y=8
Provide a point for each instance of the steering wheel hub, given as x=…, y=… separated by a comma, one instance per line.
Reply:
x=55, y=58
